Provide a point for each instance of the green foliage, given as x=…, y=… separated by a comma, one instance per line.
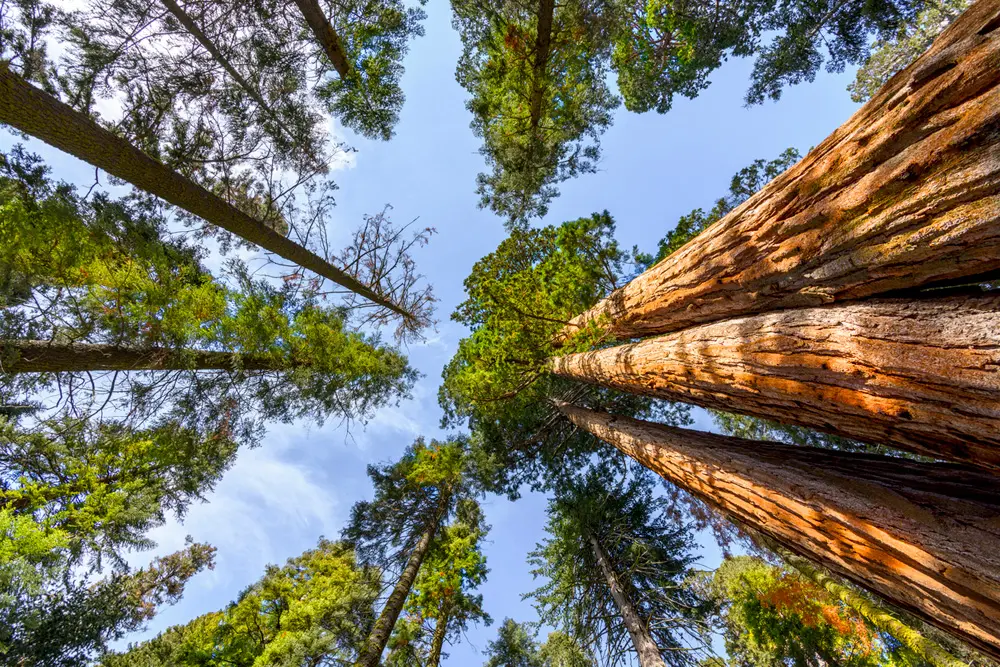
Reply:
x=515, y=646
x=422, y=487
x=894, y=52
x=454, y=567
x=540, y=112
x=97, y=271
x=519, y=298
x=375, y=35
x=772, y=616
x=650, y=556
x=314, y=610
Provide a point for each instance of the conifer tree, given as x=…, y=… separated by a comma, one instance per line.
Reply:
x=396, y=530
x=617, y=567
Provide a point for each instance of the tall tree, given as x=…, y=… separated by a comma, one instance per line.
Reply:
x=616, y=567
x=815, y=235
x=914, y=374
x=917, y=534
x=519, y=297
x=36, y=113
x=396, y=530
x=453, y=569
x=314, y=610
x=515, y=646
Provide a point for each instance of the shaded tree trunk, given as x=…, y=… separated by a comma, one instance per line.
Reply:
x=872, y=611
x=543, y=44
x=906, y=193
x=325, y=35
x=30, y=110
x=642, y=641
x=923, y=536
x=923, y=376
x=371, y=653
x=437, y=642
x=40, y=356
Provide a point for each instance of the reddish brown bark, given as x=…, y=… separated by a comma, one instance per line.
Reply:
x=905, y=193
x=44, y=117
x=924, y=536
x=922, y=375
x=325, y=35
x=40, y=356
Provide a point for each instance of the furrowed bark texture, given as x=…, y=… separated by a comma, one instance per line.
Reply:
x=905, y=193
x=924, y=536
x=645, y=647
x=325, y=35
x=371, y=653
x=34, y=112
x=41, y=356
x=919, y=375
x=543, y=44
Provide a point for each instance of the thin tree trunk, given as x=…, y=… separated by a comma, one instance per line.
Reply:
x=37, y=113
x=543, y=44
x=905, y=193
x=40, y=356
x=645, y=647
x=872, y=611
x=437, y=643
x=325, y=35
x=371, y=653
x=922, y=375
x=923, y=536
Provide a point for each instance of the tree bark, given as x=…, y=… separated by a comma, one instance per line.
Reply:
x=923, y=375
x=371, y=653
x=325, y=35
x=906, y=193
x=645, y=647
x=543, y=44
x=40, y=356
x=874, y=612
x=437, y=642
x=923, y=536
x=37, y=113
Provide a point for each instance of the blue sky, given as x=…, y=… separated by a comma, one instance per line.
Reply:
x=300, y=484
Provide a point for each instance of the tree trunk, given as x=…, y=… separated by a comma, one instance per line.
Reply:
x=645, y=647
x=437, y=643
x=371, y=653
x=873, y=611
x=923, y=375
x=921, y=535
x=325, y=35
x=40, y=356
x=904, y=194
x=543, y=44
x=30, y=110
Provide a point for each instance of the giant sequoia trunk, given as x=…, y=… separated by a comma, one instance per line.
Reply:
x=41, y=356
x=642, y=641
x=924, y=536
x=30, y=110
x=371, y=652
x=905, y=193
x=920, y=375
x=325, y=35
